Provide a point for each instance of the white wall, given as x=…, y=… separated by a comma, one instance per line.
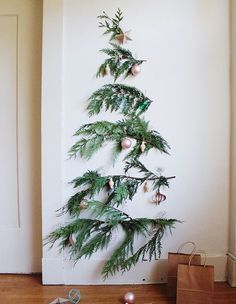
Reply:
x=186, y=46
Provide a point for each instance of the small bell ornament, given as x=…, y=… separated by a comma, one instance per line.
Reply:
x=159, y=197
x=126, y=143
x=129, y=298
x=143, y=146
x=111, y=183
x=135, y=70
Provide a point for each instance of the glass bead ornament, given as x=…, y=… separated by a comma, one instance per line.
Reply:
x=135, y=70
x=129, y=298
x=126, y=143
x=159, y=197
x=144, y=105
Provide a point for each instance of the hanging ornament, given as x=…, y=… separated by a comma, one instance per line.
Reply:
x=126, y=143
x=159, y=197
x=123, y=37
x=83, y=205
x=72, y=239
x=129, y=298
x=144, y=105
x=143, y=146
x=136, y=69
x=145, y=187
x=105, y=71
x=111, y=183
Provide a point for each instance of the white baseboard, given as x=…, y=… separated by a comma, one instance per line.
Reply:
x=57, y=271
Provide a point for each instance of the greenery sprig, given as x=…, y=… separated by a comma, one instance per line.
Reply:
x=95, y=234
x=94, y=135
x=111, y=25
x=118, y=97
x=124, y=188
x=119, y=63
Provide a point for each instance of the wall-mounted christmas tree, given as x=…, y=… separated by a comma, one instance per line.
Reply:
x=94, y=221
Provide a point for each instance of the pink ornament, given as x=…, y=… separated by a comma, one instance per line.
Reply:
x=72, y=239
x=159, y=198
x=129, y=298
x=126, y=143
x=83, y=205
x=136, y=69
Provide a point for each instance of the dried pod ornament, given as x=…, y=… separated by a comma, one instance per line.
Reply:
x=72, y=239
x=145, y=187
x=83, y=205
x=111, y=183
x=159, y=197
x=143, y=146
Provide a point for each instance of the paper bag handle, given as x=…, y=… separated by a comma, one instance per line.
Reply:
x=196, y=252
x=182, y=246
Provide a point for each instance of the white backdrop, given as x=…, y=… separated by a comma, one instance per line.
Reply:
x=186, y=46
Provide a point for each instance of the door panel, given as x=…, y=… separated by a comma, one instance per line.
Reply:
x=20, y=74
x=8, y=122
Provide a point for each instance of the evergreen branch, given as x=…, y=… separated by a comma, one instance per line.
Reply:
x=158, y=181
x=111, y=214
x=97, y=133
x=128, y=100
x=111, y=25
x=123, y=257
x=98, y=242
x=82, y=228
x=92, y=235
x=124, y=188
x=119, y=63
x=119, y=255
x=73, y=204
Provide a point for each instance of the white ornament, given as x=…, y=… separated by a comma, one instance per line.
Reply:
x=129, y=298
x=142, y=146
x=126, y=143
x=111, y=183
x=136, y=69
x=72, y=239
x=83, y=205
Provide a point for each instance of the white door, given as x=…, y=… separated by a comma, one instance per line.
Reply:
x=20, y=74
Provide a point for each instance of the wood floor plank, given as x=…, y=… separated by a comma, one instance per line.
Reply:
x=27, y=289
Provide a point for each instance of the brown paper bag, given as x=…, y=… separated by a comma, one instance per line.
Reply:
x=195, y=283
x=179, y=258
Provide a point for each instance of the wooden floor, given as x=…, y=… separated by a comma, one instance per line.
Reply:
x=27, y=289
